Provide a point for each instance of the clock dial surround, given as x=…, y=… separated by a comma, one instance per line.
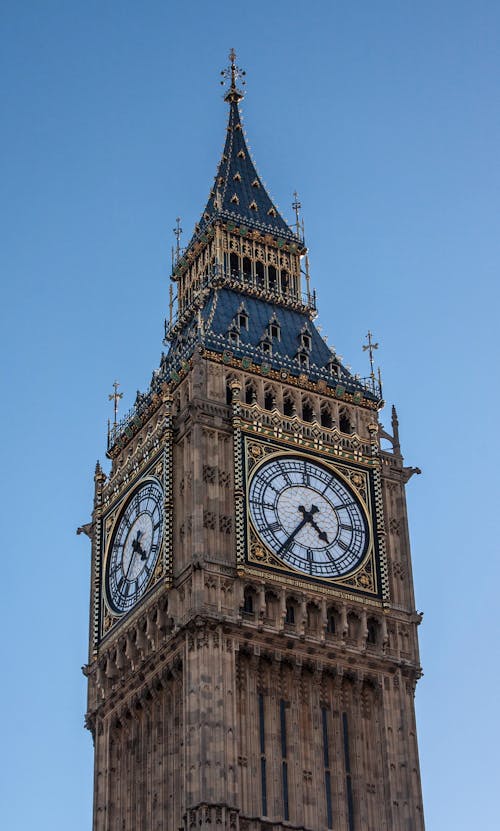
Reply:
x=308, y=516
x=135, y=547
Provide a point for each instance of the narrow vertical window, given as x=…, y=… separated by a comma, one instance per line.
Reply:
x=326, y=760
x=263, y=779
x=284, y=762
x=348, y=777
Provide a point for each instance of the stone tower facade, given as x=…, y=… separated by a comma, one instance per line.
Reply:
x=253, y=634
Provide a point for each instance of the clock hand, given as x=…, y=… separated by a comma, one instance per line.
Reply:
x=308, y=516
x=137, y=547
x=321, y=534
x=294, y=532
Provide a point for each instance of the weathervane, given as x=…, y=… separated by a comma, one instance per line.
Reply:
x=115, y=397
x=370, y=348
x=231, y=74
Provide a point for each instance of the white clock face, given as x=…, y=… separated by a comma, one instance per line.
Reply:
x=135, y=547
x=308, y=516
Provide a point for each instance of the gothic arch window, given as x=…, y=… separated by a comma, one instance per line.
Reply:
x=250, y=392
x=373, y=627
x=345, y=421
x=331, y=620
x=234, y=264
x=247, y=269
x=269, y=398
x=249, y=601
x=326, y=416
x=284, y=281
x=288, y=405
x=307, y=410
x=259, y=274
x=271, y=278
x=291, y=611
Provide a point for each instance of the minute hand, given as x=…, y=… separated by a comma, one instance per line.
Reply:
x=292, y=535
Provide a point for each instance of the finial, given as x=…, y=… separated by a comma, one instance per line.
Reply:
x=395, y=431
x=115, y=397
x=296, y=205
x=178, y=233
x=370, y=347
x=232, y=73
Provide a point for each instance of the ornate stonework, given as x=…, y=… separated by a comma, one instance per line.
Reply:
x=239, y=692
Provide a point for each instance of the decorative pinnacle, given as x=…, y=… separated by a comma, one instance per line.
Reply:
x=370, y=347
x=115, y=397
x=178, y=233
x=231, y=74
x=296, y=206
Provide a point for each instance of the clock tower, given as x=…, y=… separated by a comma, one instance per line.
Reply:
x=253, y=646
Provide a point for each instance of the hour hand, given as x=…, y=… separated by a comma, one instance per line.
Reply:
x=321, y=534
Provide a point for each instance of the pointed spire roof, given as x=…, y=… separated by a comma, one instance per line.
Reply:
x=238, y=193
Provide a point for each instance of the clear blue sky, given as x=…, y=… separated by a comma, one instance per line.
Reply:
x=385, y=117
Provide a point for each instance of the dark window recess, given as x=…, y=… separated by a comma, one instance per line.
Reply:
x=372, y=632
x=268, y=401
x=247, y=269
x=234, y=337
x=306, y=341
x=266, y=348
x=263, y=777
x=234, y=265
x=274, y=330
x=348, y=777
x=229, y=394
x=271, y=278
x=307, y=412
x=285, y=282
x=250, y=394
x=303, y=360
x=290, y=613
x=326, y=762
x=344, y=423
x=288, y=406
x=326, y=417
x=248, y=602
x=243, y=320
x=284, y=763
x=330, y=622
x=259, y=274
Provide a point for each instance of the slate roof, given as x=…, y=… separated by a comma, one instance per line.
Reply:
x=238, y=186
x=219, y=315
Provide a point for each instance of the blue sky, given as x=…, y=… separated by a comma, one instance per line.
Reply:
x=385, y=117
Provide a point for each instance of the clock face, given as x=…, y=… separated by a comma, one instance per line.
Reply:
x=308, y=516
x=135, y=546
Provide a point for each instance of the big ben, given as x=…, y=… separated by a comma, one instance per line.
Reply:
x=253, y=650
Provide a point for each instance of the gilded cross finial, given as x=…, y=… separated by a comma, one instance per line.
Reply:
x=115, y=397
x=370, y=348
x=231, y=74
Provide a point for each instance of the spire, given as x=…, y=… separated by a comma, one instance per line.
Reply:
x=238, y=193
